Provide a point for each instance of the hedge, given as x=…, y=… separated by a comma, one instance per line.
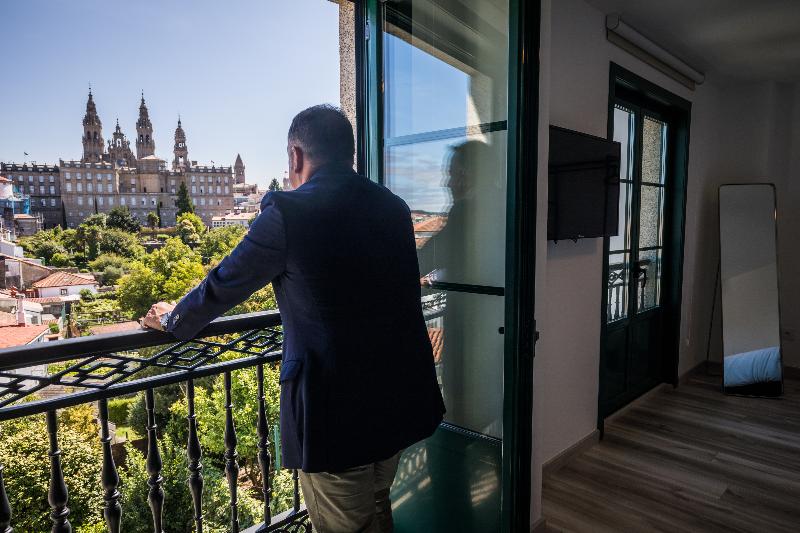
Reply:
x=118, y=409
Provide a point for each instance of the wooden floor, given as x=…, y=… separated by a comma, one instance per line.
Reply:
x=686, y=459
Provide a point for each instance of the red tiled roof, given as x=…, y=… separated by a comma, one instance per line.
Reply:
x=430, y=224
x=63, y=279
x=23, y=260
x=113, y=328
x=19, y=335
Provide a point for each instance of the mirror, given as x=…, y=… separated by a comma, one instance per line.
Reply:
x=749, y=281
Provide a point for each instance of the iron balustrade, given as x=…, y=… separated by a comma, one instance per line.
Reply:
x=618, y=287
x=98, y=368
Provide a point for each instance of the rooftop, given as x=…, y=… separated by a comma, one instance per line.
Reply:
x=64, y=279
x=13, y=335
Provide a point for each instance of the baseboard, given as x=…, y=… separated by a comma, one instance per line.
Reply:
x=556, y=462
x=540, y=526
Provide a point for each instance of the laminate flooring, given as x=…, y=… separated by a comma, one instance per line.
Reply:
x=686, y=459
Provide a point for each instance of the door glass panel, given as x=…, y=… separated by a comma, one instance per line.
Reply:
x=620, y=244
x=617, y=286
x=467, y=350
x=445, y=154
x=653, y=150
x=445, y=65
x=648, y=283
x=650, y=216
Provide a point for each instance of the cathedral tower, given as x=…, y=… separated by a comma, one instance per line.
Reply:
x=238, y=170
x=119, y=149
x=93, y=145
x=145, y=145
x=181, y=161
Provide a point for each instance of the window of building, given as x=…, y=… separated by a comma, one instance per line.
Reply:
x=144, y=201
x=193, y=178
x=227, y=180
x=110, y=188
x=121, y=200
x=173, y=190
x=88, y=175
x=69, y=187
x=194, y=189
x=52, y=202
x=227, y=189
x=201, y=190
x=152, y=201
x=202, y=201
x=44, y=202
x=41, y=189
x=41, y=179
x=80, y=202
x=172, y=182
x=31, y=188
x=79, y=187
x=52, y=178
x=63, y=292
x=88, y=186
x=219, y=190
x=52, y=189
x=30, y=179
x=77, y=175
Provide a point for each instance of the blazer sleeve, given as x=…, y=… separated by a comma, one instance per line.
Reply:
x=257, y=259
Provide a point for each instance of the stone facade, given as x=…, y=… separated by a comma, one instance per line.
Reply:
x=106, y=178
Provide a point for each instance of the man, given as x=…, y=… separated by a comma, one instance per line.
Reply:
x=357, y=377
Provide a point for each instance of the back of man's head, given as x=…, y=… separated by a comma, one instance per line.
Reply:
x=324, y=134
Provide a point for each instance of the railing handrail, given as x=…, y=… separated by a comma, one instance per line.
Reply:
x=66, y=349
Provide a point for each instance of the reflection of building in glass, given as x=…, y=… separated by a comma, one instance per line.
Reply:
x=110, y=176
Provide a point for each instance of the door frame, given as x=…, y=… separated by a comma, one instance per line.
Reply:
x=625, y=85
x=522, y=165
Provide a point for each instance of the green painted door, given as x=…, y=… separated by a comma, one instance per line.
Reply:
x=443, y=82
x=633, y=355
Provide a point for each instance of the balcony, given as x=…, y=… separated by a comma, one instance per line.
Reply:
x=100, y=368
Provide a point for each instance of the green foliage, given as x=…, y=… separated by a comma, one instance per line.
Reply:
x=60, y=259
x=153, y=219
x=261, y=300
x=219, y=242
x=274, y=185
x=53, y=327
x=109, y=259
x=98, y=220
x=121, y=218
x=119, y=242
x=44, y=244
x=111, y=275
x=189, y=228
x=184, y=202
x=178, y=507
x=86, y=295
x=118, y=409
x=24, y=454
x=165, y=274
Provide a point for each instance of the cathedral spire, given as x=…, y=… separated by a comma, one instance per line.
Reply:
x=93, y=145
x=145, y=145
x=238, y=170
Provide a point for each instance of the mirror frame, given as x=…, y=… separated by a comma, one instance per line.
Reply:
x=728, y=390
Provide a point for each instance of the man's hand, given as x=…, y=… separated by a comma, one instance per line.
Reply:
x=153, y=317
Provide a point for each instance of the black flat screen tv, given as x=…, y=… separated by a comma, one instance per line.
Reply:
x=583, y=196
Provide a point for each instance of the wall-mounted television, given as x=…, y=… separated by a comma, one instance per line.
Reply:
x=583, y=199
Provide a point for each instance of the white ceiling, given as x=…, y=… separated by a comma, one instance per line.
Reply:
x=737, y=39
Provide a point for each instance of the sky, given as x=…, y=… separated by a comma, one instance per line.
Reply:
x=235, y=71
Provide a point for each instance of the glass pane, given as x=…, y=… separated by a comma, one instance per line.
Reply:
x=621, y=241
x=456, y=191
x=653, y=150
x=618, y=268
x=444, y=68
x=650, y=216
x=648, y=282
x=468, y=349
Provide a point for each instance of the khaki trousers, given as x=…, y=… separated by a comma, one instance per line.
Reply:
x=355, y=500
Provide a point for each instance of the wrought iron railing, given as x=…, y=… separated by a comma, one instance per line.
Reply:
x=98, y=368
x=618, y=288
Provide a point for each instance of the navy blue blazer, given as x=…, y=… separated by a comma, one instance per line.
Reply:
x=357, y=377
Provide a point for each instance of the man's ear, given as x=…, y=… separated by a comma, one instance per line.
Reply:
x=298, y=159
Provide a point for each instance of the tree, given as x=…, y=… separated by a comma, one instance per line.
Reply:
x=165, y=274
x=184, y=203
x=99, y=220
x=196, y=221
x=216, y=243
x=116, y=241
x=189, y=228
x=152, y=220
x=23, y=453
x=121, y=218
x=274, y=185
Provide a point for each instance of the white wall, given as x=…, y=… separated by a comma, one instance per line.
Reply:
x=47, y=292
x=739, y=133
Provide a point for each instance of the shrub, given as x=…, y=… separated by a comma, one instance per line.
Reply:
x=54, y=327
x=118, y=409
x=87, y=295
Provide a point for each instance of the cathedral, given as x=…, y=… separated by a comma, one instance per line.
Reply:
x=110, y=175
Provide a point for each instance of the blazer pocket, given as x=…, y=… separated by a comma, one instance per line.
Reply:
x=290, y=369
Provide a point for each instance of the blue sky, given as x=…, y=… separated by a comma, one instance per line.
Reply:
x=236, y=71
